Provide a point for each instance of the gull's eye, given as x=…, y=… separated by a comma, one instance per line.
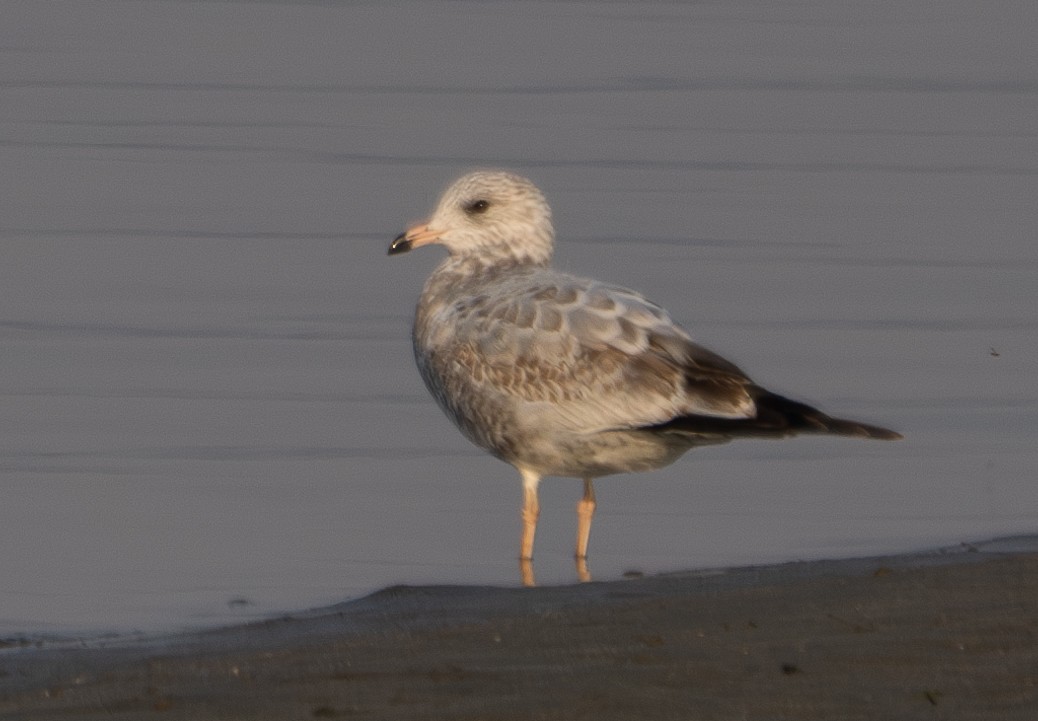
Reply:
x=477, y=207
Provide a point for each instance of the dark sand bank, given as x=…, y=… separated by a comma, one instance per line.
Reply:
x=949, y=635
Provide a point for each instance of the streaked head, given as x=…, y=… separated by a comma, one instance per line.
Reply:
x=491, y=214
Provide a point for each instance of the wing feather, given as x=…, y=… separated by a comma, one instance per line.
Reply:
x=587, y=356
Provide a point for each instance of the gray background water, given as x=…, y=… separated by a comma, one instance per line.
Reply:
x=209, y=408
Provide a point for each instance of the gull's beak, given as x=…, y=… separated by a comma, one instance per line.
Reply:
x=412, y=238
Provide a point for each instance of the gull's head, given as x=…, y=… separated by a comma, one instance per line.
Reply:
x=492, y=215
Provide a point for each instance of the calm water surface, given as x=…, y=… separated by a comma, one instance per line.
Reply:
x=208, y=405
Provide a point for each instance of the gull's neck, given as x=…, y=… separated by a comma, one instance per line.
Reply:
x=485, y=267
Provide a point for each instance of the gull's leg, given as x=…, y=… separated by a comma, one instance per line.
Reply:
x=531, y=510
x=585, y=511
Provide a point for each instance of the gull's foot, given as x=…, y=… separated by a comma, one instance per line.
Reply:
x=583, y=573
x=526, y=572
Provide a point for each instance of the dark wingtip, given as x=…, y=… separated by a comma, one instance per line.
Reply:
x=399, y=245
x=802, y=418
x=842, y=427
x=883, y=434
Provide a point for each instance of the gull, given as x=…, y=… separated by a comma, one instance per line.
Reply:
x=560, y=375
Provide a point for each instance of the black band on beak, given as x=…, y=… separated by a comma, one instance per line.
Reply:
x=400, y=244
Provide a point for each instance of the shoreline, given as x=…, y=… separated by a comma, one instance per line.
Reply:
x=951, y=634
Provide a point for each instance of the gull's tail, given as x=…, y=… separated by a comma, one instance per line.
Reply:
x=777, y=416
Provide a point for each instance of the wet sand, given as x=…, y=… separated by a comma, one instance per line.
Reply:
x=949, y=635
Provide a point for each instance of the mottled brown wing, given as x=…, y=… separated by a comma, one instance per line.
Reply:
x=587, y=357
